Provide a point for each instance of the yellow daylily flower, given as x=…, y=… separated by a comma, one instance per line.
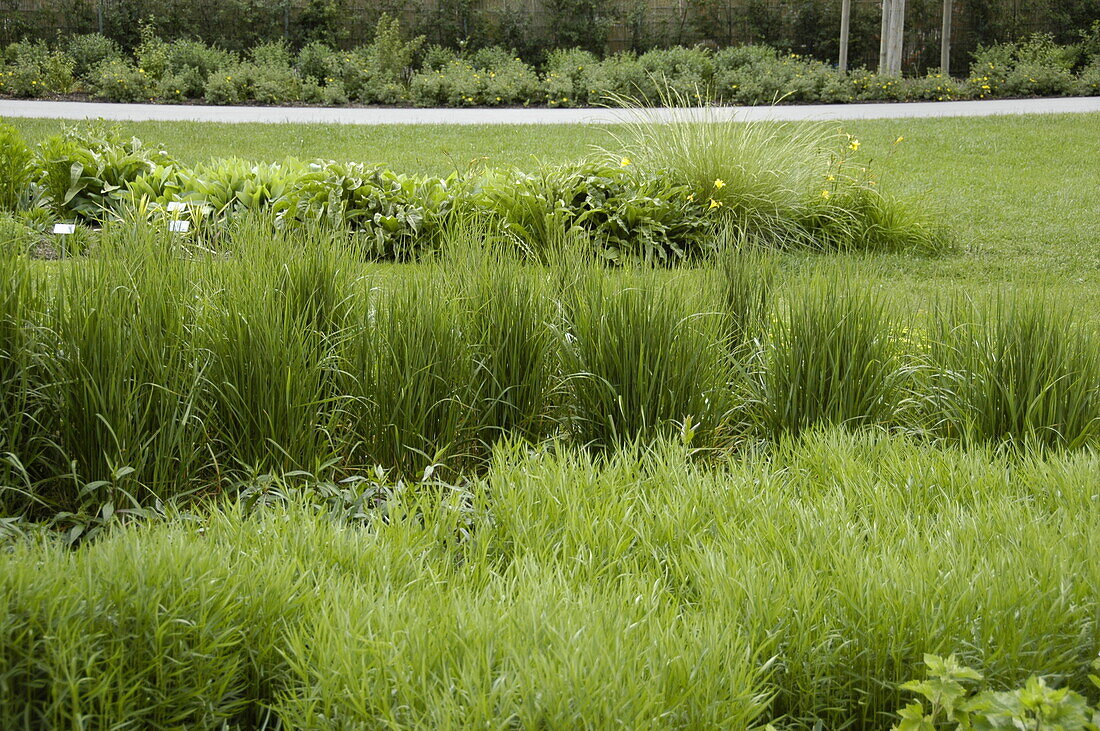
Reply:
x=625, y=161
x=714, y=204
x=719, y=184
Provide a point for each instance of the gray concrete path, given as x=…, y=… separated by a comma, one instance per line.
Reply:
x=167, y=112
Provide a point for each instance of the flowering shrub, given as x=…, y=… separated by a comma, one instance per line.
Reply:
x=34, y=71
x=393, y=69
x=118, y=80
x=490, y=78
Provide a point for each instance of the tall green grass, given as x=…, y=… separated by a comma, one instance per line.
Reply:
x=123, y=384
x=642, y=357
x=567, y=589
x=1018, y=368
x=791, y=184
x=831, y=358
x=746, y=279
x=269, y=328
x=412, y=377
x=153, y=368
x=513, y=332
x=21, y=375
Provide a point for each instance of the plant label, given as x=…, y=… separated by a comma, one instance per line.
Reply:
x=64, y=229
x=179, y=227
x=177, y=206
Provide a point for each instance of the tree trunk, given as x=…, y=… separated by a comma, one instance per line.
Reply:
x=845, y=26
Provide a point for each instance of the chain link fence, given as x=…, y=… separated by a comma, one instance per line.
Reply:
x=809, y=27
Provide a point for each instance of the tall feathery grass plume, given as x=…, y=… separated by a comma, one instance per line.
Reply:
x=792, y=184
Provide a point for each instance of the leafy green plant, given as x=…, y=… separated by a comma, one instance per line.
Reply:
x=84, y=172
x=119, y=80
x=387, y=61
x=951, y=704
x=90, y=51
x=36, y=71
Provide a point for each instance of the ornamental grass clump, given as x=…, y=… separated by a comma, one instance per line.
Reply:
x=793, y=184
x=123, y=385
x=643, y=358
x=831, y=358
x=21, y=382
x=269, y=328
x=509, y=319
x=409, y=377
x=1018, y=369
x=745, y=275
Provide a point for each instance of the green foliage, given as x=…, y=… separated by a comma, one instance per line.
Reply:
x=1035, y=705
x=579, y=23
x=118, y=80
x=33, y=70
x=267, y=82
x=90, y=51
x=16, y=168
x=786, y=184
x=490, y=78
x=641, y=361
x=387, y=62
x=392, y=69
x=831, y=359
x=763, y=588
x=85, y=172
x=662, y=209
x=631, y=216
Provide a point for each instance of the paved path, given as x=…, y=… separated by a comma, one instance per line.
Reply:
x=167, y=112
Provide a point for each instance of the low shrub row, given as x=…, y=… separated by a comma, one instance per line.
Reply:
x=395, y=70
x=655, y=201
x=140, y=373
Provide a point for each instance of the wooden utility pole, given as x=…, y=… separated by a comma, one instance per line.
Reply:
x=945, y=38
x=845, y=26
x=884, y=35
x=896, y=37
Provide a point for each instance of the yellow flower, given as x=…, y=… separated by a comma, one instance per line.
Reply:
x=719, y=184
x=824, y=195
x=625, y=161
x=714, y=204
x=691, y=197
x=853, y=145
x=899, y=139
x=830, y=178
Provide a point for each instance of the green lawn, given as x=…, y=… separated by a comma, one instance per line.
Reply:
x=1019, y=192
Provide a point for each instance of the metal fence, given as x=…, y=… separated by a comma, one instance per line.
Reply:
x=809, y=27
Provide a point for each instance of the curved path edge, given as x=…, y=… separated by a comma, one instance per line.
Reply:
x=382, y=115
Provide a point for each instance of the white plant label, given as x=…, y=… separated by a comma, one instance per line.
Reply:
x=177, y=206
x=64, y=229
x=179, y=227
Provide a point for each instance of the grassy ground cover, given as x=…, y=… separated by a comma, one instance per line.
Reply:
x=765, y=487
x=796, y=585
